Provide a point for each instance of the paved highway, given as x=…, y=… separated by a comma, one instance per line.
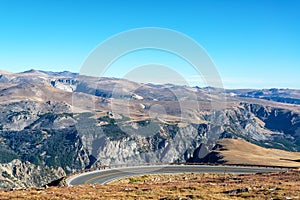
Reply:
x=108, y=175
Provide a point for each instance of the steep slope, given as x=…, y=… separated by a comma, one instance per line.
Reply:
x=78, y=122
x=237, y=151
x=17, y=174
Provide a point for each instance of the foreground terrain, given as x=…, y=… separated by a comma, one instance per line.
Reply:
x=283, y=185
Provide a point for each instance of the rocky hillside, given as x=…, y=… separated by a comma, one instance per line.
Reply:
x=17, y=174
x=78, y=122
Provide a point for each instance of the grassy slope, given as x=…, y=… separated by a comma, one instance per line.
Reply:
x=242, y=152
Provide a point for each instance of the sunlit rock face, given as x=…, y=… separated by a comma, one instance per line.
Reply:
x=72, y=122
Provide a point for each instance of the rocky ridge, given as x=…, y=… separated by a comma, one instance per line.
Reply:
x=77, y=122
x=17, y=174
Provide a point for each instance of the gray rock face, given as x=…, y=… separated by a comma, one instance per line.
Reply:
x=66, y=84
x=76, y=141
x=17, y=116
x=17, y=174
x=191, y=142
x=41, y=123
x=170, y=144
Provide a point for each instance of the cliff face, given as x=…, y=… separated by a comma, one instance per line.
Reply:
x=42, y=134
x=60, y=120
x=17, y=174
x=77, y=141
x=192, y=142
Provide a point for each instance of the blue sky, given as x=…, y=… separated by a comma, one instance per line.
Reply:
x=254, y=44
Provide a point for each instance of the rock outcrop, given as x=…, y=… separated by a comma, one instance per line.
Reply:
x=17, y=174
x=61, y=120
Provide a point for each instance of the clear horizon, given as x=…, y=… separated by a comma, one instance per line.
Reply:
x=254, y=44
x=157, y=83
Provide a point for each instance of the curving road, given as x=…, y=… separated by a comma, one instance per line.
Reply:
x=108, y=175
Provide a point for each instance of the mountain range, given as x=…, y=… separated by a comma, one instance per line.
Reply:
x=63, y=122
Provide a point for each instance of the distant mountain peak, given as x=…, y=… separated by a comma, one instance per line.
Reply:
x=62, y=73
x=33, y=72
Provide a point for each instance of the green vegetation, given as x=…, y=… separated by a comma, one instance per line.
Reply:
x=61, y=149
x=7, y=156
x=279, y=142
x=143, y=122
x=134, y=180
x=107, y=119
x=113, y=131
x=29, y=145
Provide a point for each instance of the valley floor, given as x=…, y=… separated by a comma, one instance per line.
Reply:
x=283, y=185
